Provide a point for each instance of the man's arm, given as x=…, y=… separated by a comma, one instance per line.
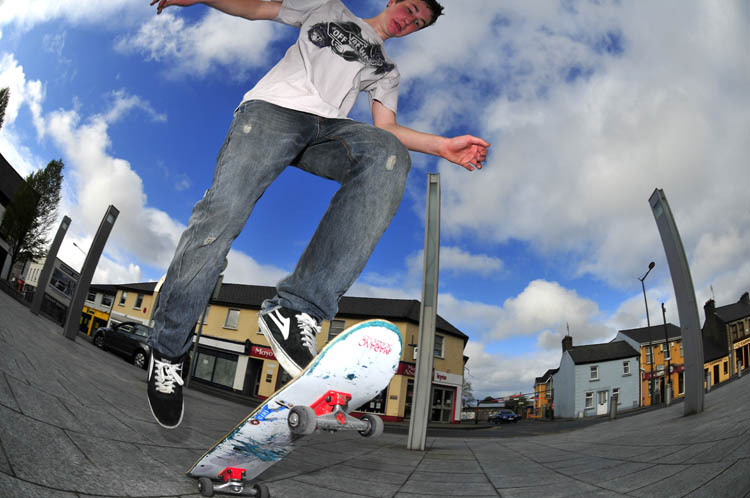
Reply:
x=249, y=9
x=466, y=151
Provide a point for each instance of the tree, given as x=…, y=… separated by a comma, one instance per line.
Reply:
x=4, y=95
x=31, y=214
x=468, y=394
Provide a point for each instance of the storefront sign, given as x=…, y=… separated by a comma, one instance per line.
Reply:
x=262, y=352
x=406, y=369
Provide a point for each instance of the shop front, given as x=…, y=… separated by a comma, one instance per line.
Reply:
x=445, y=391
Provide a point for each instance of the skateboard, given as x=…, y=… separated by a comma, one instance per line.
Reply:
x=348, y=372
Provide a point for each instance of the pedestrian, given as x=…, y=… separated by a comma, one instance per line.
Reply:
x=297, y=115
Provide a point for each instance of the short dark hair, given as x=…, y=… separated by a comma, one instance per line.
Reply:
x=435, y=8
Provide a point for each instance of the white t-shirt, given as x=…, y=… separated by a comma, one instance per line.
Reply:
x=336, y=56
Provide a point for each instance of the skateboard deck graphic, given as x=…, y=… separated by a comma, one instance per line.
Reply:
x=360, y=361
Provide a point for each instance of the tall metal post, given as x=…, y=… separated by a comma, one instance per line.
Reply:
x=687, y=307
x=427, y=316
x=73, y=320
x=49, y=265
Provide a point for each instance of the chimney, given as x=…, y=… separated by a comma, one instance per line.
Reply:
x=745, y=299
x=567, y=343
x=709, y=308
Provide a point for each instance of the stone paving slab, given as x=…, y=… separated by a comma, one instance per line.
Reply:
x=65, y=401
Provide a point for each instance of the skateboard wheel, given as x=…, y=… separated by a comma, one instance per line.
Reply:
x=206, y=486
x=261, y=490
x=302, y=420
x=376, y=425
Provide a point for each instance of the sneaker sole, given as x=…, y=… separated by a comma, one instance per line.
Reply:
x=284, y=360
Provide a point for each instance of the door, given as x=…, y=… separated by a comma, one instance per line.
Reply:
x=602, y=402
x=442, y=404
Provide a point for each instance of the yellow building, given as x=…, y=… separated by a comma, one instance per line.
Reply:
x=543, y=395
x=661, y=360
x=726, y=331
x=234, y=357
x=97, y=308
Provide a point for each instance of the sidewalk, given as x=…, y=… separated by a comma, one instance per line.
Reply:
x=74, y=422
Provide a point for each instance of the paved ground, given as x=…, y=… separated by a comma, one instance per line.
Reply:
x=74, y=423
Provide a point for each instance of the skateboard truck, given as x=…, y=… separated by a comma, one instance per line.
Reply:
x=329, y=413
x=233, y=483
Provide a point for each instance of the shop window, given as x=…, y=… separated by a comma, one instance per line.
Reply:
x=377, y=404
x=233, y=319
x=216, y=367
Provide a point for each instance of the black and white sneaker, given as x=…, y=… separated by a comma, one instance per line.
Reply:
x=292, y=337
x=165, y=390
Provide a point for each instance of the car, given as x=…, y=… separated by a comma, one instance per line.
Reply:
x=128, y=339
x=504, y=416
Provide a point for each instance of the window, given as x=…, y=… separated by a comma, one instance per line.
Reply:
x=649, y=355
x=616, y=394
x=681, y=383
x=233, y=319
x=726, y=368
x=91, y=297
x=138, y=302
x=594, y=373
x=667, y=352
x=337, y=326
x=682, y=351
x=439, y=345
x=107, y=301
x=205, y=315
x=626, y=368
x=123, y=298
x=589, y=400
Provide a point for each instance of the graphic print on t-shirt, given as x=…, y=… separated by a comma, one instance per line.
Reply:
x=346, y=40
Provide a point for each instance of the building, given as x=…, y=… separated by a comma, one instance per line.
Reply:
x=590, y=377
x=97, y=308
x=661, y=351
x=544, y=395
x=59, y=291
x=10, y=182
x=728, y=328
x=234, y=357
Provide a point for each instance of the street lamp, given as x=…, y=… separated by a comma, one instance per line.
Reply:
x=650, y=341
x=77, y=247
x=668, y=356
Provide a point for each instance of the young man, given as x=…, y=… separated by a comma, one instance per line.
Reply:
x=297, y=115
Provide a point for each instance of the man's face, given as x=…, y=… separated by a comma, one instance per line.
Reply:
x=406, y=17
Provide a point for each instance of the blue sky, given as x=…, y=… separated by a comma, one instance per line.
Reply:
x=589, y=107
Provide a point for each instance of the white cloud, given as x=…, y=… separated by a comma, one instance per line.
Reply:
x=457, y=260
x=588, y=112
x=28, y=14
x=217, y=40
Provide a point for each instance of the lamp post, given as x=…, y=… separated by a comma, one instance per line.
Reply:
x=668, y=356
x=650, y=341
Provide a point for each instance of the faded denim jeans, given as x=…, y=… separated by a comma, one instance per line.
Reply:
x=370, y=164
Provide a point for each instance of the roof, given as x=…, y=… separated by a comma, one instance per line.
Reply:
x=10, y=181
x=544, y=378
x=594, y=353
x=654, y=333
x=104, y=288
x=252, y=296
x=735, y=311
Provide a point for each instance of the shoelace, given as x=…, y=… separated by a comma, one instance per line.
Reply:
x=309, y=328
x=166, y=375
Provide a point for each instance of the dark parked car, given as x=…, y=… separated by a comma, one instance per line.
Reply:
x=504, y=416
x=129, y=339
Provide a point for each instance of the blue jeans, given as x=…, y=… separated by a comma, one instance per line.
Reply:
x=371, y=166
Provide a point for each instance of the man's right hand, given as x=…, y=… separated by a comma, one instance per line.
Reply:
x=166, y=3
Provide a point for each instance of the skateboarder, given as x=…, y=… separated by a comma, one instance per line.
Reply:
x=297, y=115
